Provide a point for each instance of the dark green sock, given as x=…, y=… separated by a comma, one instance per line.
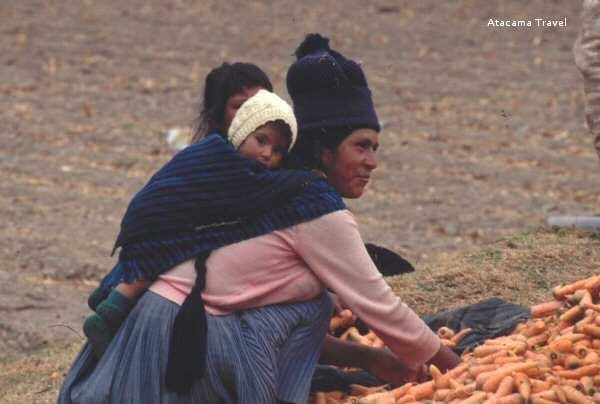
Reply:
x=97, y=296
x=101, y=327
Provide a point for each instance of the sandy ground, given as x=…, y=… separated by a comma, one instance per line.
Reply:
x=483, y=126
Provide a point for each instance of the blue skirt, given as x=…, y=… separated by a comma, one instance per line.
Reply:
x=253, y=356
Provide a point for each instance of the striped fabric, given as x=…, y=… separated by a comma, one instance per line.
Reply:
x=254, y=356
x=206, y=197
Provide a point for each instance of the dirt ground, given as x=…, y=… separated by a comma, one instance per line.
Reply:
x=483, y=126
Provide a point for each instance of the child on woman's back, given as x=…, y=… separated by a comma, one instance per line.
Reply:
x=263, y=129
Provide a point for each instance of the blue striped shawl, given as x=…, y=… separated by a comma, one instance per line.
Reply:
x=209, y=196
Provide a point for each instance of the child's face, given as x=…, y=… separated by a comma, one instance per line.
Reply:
x=267, y=145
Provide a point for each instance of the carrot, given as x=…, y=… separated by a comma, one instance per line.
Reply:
x=572, y=315
x=581, y=348
x=546, y=395
x=560, y=292
x=541, y=400
x=475, y=398
x=445, y=332
x=586, y=298
x=508, y=359
x=484, y=350
x=537, y=340
x=534, y=328
x=378, y=343
x=448, y=343
x=560, y=393
x=545, y=309
x=406, y=399
x=594, y=307
x=460, y=335
x=489, y=381
x=564, y=345
x=343, y=319
x=358, y=390
x=441, y=394
x=443, y=382
x=478, y=369
x=402, y=390
x=514, y=398
x=355, y=336
x=591, y=358
x=572, y=362
x=575, y=396
x=587, y=370
x=320, y=398
x=375, y=397
x=592, y=330
x=523, y=385
x=506, y=387
x=596, y=343
x=422, y=391
x=538, y=386
x=435, y=373
x=486, y=360
x=593, y=285
x=587, y=386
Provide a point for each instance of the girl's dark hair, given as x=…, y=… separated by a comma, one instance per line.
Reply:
x=221, y=83
x=306, y=153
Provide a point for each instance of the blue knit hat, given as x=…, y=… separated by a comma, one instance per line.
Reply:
x=329, y=90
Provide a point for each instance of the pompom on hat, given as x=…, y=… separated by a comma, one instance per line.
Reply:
x=258, y=110
x=329, y=90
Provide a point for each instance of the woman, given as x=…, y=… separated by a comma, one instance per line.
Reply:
x=268, y=310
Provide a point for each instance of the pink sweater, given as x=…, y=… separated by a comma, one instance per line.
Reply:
x=297, y=264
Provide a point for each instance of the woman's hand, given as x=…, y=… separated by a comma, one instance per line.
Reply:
x=386, y=366
x=445, y=359
x=381, y=362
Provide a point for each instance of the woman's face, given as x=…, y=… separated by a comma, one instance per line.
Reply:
x=234, y=103
x=349, y=167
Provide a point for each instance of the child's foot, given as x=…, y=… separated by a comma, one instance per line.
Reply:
x=97, y=296
x=101, y=327
x=99, y=334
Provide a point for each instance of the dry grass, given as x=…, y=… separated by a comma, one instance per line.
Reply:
x=521, y=269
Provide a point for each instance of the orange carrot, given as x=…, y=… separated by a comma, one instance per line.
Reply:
x=564, y=345
x=572, y=362
x=534, y=328
x=486, y=360
x=560, y=292
x=545, y=309
x=489, y=381
x=572, y=315
x=586, y=386
x=538, y=386
x=587, y=370
x=575, y=396
x=591, y=358
x=523, y=385
x=402, y=390
x=514, y=398
x=506, y=387
x=592, y=330
x=537, y=340
x=445, y=332
x=475, y=398
x=422, y=391
x=460, y=335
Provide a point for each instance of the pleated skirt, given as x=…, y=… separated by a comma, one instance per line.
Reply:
x=261, y=355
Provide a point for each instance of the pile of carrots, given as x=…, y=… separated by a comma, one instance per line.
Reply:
x=552, y=358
